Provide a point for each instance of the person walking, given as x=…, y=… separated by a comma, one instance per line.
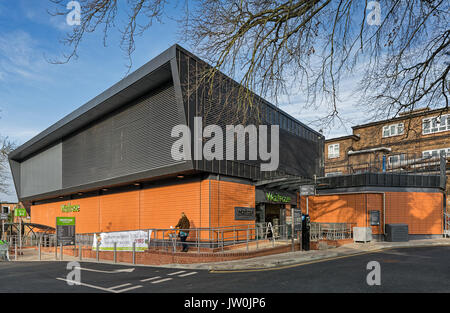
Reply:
x=183, y=225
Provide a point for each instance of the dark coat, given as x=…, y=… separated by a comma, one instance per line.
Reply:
x=184, y=224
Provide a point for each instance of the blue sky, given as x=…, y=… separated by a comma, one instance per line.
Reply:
x=35, y=94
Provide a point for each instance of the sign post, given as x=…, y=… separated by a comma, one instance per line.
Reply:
x=307, y=190
x=65, y=230
x=20, y=213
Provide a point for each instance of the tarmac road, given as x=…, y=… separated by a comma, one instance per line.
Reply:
x=425, y=269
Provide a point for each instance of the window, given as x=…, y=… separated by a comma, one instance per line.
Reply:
x=393, y=130
x=435, y=124
x=333, y=174
x=5, y=209
x=398, y=159
x=333, y=151
x=435, y=153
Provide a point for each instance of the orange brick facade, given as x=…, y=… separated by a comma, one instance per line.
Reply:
x=420, y=210
x=207, y=203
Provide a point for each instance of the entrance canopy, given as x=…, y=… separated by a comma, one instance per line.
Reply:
x=29, y=228
x=285, y=183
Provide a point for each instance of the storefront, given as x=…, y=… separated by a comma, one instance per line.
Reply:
x=273, y=206
x=112, y=159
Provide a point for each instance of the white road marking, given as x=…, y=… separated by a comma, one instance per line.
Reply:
x=128, y=289
x=101, y=288
x=187, y=274
x=87, y=285
x=149, y=279
x=176, y=273
x=116, y=287
x=160, y=281
x=126, y=270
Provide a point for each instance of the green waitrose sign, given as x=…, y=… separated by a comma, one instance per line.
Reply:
x=65, y=221
x=274, y=197
x=70, y=208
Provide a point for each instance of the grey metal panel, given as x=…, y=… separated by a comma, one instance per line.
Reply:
x=301, y=148
x=15, y=170
x=42, y=172
x=156, y=72
x=133, y=140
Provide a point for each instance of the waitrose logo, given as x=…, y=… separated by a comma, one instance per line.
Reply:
x=274, y=197
x=70, y=208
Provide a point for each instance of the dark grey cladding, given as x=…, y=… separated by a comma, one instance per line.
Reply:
x=301, y=148
x=131, y=141
x=124, y=134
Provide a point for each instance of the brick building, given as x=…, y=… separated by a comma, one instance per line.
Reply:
x=411, y=142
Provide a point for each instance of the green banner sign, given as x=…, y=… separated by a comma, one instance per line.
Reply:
x=274, y=197
x=65, y=221
x=70, y=208
x=20, y=212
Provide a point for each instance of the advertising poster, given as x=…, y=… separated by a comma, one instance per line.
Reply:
x=124, y=240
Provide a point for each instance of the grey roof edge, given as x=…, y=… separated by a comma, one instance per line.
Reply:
x=152, y=174
x=118, y=87
x=114, y=90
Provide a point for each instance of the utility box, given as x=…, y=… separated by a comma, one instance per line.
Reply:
x=362, y=234
x=396, y=232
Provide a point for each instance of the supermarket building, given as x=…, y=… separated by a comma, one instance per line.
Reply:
x=109, y=164
x=111, y=158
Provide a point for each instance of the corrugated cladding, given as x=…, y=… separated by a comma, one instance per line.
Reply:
x=301, y=149
x=136, y=139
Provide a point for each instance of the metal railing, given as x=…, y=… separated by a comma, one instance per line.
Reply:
x=231, y=239
x=399, y=162
x=330, y=231
x=211, y=240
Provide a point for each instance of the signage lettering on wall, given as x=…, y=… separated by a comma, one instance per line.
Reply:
x=70, y=208
x=244, y=214
x=274, y=197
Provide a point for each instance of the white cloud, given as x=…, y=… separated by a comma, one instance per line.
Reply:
x=20, y=58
